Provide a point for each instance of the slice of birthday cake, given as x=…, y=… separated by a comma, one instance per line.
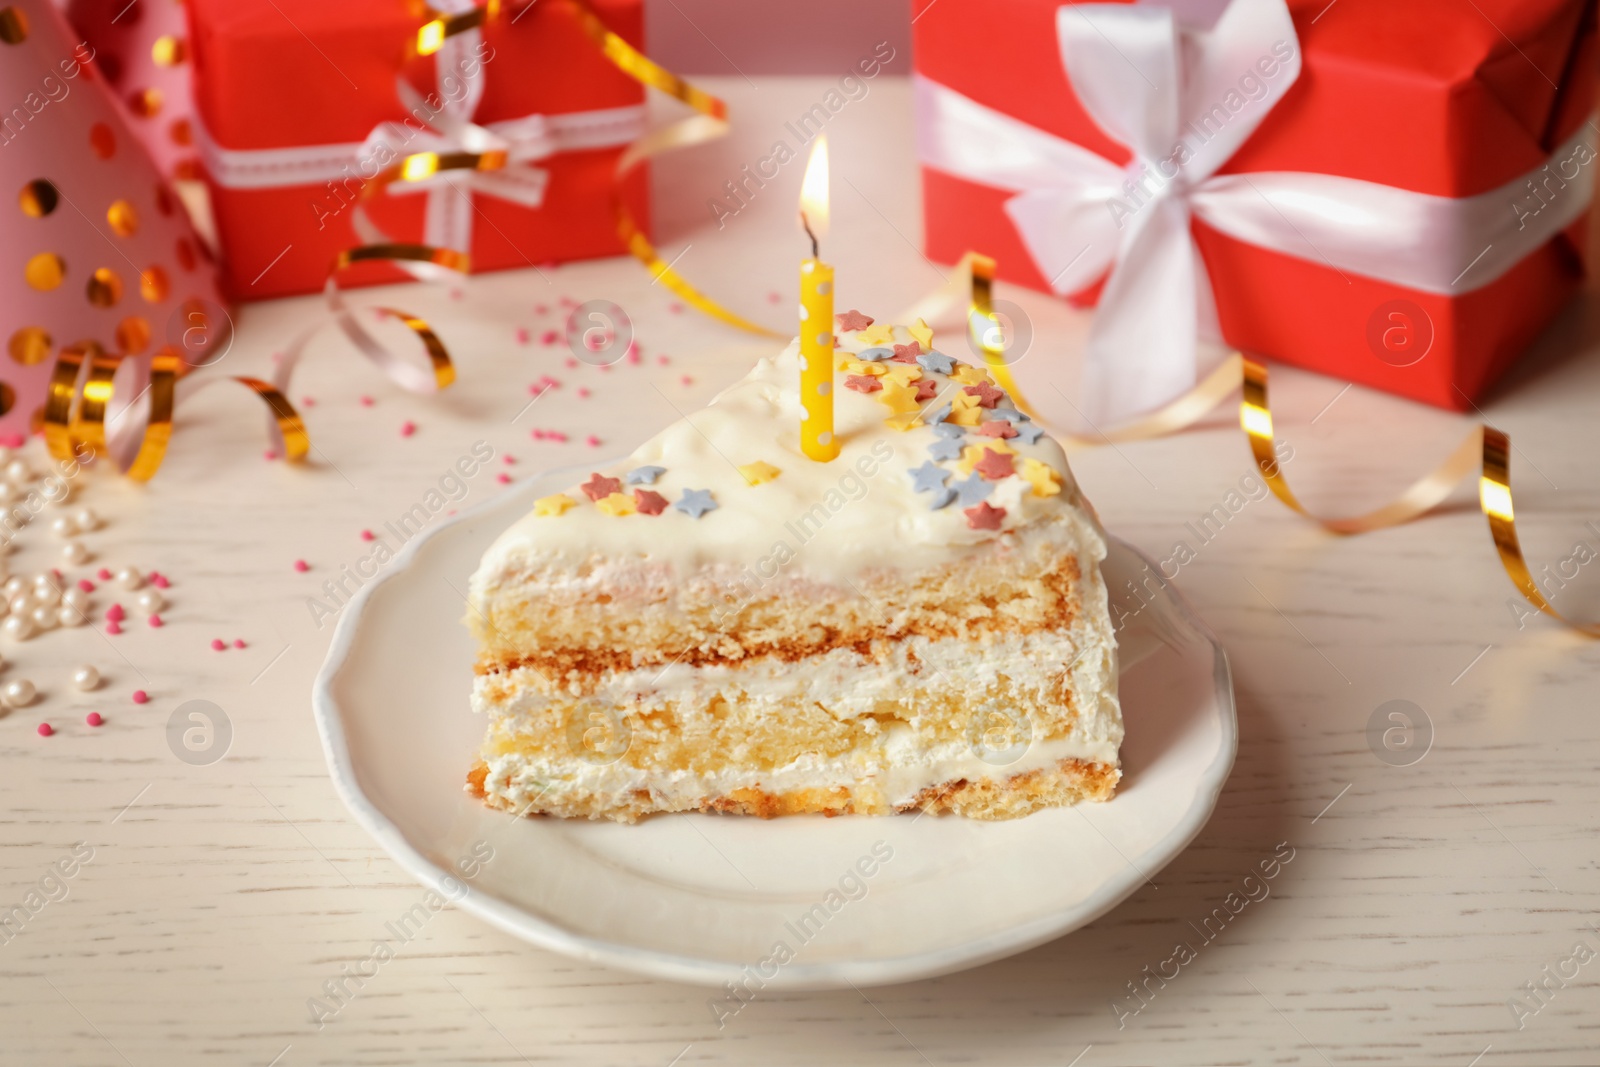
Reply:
x=720, y=624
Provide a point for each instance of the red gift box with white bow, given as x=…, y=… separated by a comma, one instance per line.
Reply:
x=300, y=103
x=1393, y=194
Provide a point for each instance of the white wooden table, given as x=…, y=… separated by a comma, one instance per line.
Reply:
x=1420, y=900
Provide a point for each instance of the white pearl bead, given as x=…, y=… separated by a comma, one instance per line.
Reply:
x=17, y=471
x=63, y=527
x=69, y=616
x=85, y=677
x=44, y=617
x=130, y=577
x=21, y=604
x=44, y=593
x=76, y=598
x=15, y=585
x=17, y=627
x=75, y=553
x=151, y=601
x=87, y=519
x=20, y=693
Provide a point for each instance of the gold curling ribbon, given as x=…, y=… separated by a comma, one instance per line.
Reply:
x=82, y=386
x=1485, y=447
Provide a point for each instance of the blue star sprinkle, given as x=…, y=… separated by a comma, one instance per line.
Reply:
x=1028, y=433
x=943, y=498
x=873, y=355
x=1011, y=415
x=644, y=475
x=936, y=361
x=948, y=429
x=937, y=416
x=972, y=490
x=696, y=502
x=928, y=478
x=945, y=448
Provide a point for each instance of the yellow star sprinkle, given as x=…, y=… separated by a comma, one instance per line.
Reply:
x=879, y=333
x=967, y=374
x=759, y=472
x=902, y=373
x=972, y=455
x=553, y=505
x=904, y=421
x=922, y=333
x=1042, y=476
x=899, y=399
x=965, y=410
x=856, y=366
x=617, y=505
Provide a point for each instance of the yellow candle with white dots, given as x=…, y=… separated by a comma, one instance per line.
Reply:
x=816, y=316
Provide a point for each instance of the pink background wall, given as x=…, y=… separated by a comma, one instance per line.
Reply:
x=776, y=36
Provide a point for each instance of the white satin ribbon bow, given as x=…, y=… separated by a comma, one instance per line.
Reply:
x=1183, y=101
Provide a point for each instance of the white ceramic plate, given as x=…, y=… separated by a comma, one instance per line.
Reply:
x=708, y=899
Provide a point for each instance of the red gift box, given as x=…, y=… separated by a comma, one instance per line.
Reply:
x=1427, y=96
x=287, y=91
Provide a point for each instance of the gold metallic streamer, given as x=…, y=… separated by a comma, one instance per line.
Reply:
x=82, y=386
x=1485, y=448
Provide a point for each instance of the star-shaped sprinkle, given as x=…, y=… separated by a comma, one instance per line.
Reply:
x=649, y=502
x=1043, y=477
x=936, y=361
x=644, y=475
x=943, y=497
x=852, y=320
x=553, y=505
x=948, y=429
x=695, y=502
x=945, y=448
x=1029, y=432
x=995, y=465
x=879, y=333
x=927, y=389
x=937, y=417
x=904, y=421
x=855, y=366
x=965, y=410
x=996, y=428
x=598, y=487
x=928, y=478
x=971, y=455
x=617, y=505
x=901, y=374
x=899, y=399
x=984, y=517
x=874, y=354
x=923, y=333
x=967, y=374
x=863, y=383
x=759, y=472
x=971, y=490
x=988, y=396
x=1009, y=414
x=907, y=353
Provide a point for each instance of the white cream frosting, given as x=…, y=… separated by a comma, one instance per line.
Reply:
x=858, y=512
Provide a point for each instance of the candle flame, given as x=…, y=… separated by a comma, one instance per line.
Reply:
x=814, y=190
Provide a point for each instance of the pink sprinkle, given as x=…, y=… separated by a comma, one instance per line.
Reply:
x=538, y=435
x=773, y=298
x=155, y=621
x=687, y=380
x=367, y=535
x=269, y=455
x=300, y=565
x=55, y=572
x=541, y=309
x=112, y=628
x=367, y=401
x=522, y=335
x=93, y=718
x=555, y=435
x=568, y=302
x=238, y=642
x=140, y=696
x=218, y=644
x=456, y=294
x=45, y=729
x=308, y=401
x=407, y=428
x=592, y=441
x=571, y=363
x=86, y=585
x=663, y=360
x=103, y=574
x=508, y=459
x=549, y=337
x=583, y=391
x=503, y=478
x=605, y=368
x=633, y=353
x=115, y=613
x=159, y=580
x=675, y=307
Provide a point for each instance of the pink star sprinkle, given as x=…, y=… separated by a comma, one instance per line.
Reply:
x=987, y=394
x=984, y=517
x=407, y=428
x=45, y=729
x=906, y=353
x=141, y=697
x=999, y=428
x=549, y=337
x=113, y=628
x=556, y=435
x=863, y=383
x=633, y=353
x=995, y=465
x=115, y=613
x=103, y=574
x=926, y=388
x=238, y=642
x=853, y=320
x=598, y=487
x=508, y=459
x=300, y=565
x=159, y=580
x=503, y=478
x=592, y=441
x=649, y=502
x=218, y=644
x=94, y=718
x=155, y=622
x=86, y=585
x=367, y=535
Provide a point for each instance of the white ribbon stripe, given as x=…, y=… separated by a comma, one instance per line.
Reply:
x=1178, y=99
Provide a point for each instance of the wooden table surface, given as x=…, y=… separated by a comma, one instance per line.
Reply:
x=210, y=899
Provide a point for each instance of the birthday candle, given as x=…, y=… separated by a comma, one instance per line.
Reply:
x=816, y=315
